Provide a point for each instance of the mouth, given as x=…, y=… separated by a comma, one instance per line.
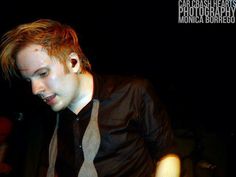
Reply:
x=49, y=99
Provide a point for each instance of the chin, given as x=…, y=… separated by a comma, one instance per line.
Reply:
x=57, y=108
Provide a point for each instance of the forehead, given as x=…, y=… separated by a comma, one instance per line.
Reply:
x=31, y=50
x=31, y=56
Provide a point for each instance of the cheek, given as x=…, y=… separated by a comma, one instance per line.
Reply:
x=56, y=79
x=54, y=83
x=58, y=83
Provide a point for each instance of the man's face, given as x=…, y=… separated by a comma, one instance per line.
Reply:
x=48, y=79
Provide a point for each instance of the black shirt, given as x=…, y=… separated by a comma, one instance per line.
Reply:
x=134, y=127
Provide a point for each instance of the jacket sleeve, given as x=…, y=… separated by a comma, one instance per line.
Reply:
x=155, y=123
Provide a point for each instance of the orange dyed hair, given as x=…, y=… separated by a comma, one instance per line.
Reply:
x=58, y=39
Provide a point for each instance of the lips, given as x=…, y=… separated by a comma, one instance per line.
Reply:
x=50, y=99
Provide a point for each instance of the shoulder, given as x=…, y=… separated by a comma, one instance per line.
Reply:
x=135, y=80
x=113, y=84
x=132, y=81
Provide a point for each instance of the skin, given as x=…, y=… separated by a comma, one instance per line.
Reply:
x=49, y=81
x=168, y=166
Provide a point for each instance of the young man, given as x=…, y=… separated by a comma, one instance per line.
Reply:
x=107, y=126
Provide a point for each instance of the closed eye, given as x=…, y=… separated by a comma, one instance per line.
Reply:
x=43, y=74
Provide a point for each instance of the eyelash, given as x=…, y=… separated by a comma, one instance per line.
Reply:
x=43, y=74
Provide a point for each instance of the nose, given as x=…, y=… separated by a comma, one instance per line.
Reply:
x=37, y=87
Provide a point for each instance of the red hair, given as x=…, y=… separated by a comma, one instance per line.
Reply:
x=58, y=39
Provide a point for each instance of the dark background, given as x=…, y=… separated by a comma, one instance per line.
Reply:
x=191, y=65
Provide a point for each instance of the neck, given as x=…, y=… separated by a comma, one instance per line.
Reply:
x=85, y=92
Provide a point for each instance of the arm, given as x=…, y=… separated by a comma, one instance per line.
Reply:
x=168, y=166
x=158, y=134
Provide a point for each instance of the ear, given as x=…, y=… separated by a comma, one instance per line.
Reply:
x=73, y=62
